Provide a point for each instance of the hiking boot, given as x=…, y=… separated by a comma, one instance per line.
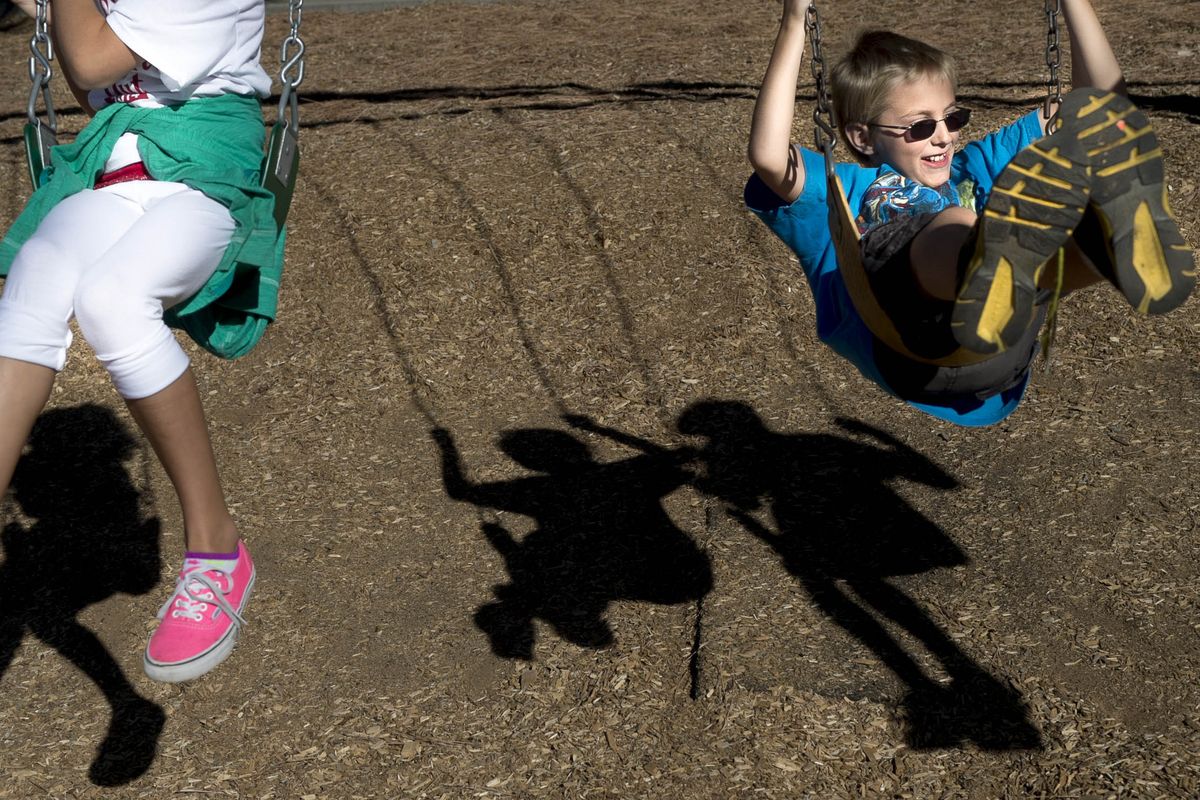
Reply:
x=1134, y=239
x=201, y=620
x=1033, y=207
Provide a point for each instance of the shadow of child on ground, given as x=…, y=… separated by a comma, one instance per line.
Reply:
x=842, y=531
x=88, y=541
x=601, y=535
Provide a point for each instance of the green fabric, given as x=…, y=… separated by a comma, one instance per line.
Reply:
x=214, y=145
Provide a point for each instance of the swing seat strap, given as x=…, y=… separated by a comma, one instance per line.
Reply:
x=845, y=236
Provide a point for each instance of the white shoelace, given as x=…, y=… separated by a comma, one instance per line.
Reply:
x=190, y=599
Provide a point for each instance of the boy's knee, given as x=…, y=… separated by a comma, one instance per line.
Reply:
x=934, y=252
x=945, y=234
x=955, y=215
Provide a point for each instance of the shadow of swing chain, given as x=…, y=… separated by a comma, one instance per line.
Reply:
x=500, y=267
x=597, y=236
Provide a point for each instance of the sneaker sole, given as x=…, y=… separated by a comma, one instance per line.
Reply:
x=1034, y=206
x=1150, y=262
x=178, y=672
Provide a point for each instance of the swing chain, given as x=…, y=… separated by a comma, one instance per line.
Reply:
x=41, y=50
x=1053, y=61
x=291, y=75
x=824, y=130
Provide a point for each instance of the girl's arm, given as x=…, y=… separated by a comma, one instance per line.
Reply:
x=92, y=55
x=1092, y=59
x=771, y=154
x=585, y=423
x=80, y=95
x=456, y=483
x=30, y=8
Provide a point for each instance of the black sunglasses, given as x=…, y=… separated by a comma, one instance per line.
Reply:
x=922, y=129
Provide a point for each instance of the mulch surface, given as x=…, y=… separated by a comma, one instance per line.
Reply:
x=554, y=493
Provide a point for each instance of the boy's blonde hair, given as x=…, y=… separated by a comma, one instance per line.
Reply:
x=879, y=62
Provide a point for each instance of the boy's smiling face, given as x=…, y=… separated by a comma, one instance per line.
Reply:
x=928, y=161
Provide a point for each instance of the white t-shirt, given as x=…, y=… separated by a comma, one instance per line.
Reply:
x=189, y=48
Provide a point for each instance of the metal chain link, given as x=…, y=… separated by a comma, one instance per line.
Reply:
x=1053, y=61
x=825, y=134
x=291, y=74
x=41, y=51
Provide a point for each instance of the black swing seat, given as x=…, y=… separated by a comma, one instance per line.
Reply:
x=280, y=167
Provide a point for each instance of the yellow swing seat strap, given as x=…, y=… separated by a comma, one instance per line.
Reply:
x=844, y=232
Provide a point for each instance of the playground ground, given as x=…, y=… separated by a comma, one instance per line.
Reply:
x=512, y=212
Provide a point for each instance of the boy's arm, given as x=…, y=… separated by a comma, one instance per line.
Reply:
x=771, y=153
x=1092, y=60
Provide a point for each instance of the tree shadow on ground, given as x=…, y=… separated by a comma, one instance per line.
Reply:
x=88, y=541
x=843, y=532
x=601, y=535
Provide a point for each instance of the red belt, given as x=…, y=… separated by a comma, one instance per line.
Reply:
x=130, y=172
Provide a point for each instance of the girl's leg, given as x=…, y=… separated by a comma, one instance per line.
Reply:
x=162, y=259
x=173, y=421
x=37, y=305
x=24, y=390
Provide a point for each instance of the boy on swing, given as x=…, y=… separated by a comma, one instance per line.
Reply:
x=959, y=248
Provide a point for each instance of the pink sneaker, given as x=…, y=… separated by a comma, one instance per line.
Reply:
x=201, y=620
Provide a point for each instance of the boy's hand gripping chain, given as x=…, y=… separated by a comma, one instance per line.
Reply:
x=283, y=153
x=40, y=136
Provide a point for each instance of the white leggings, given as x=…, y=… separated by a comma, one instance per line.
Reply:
x=115, y=259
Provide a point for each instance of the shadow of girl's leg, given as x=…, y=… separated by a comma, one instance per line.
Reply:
x=129, y=747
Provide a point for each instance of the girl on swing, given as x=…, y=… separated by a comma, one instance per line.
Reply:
x=955, y=245
x=153, y=216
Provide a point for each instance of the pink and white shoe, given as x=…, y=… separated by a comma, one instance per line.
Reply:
x=201, y=620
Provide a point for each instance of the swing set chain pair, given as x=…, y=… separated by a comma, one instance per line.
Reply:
x=825, y=131
x=41, y=51
x=291, y=75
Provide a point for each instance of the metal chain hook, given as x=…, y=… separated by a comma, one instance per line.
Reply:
x=41, y=50
x=291, y=74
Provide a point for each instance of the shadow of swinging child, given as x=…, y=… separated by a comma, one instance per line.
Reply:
x=843, y=533
x=88, y=541
x=601, y=535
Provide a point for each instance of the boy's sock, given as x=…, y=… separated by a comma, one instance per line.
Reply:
x=1129, y=233
x=1034, y=206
